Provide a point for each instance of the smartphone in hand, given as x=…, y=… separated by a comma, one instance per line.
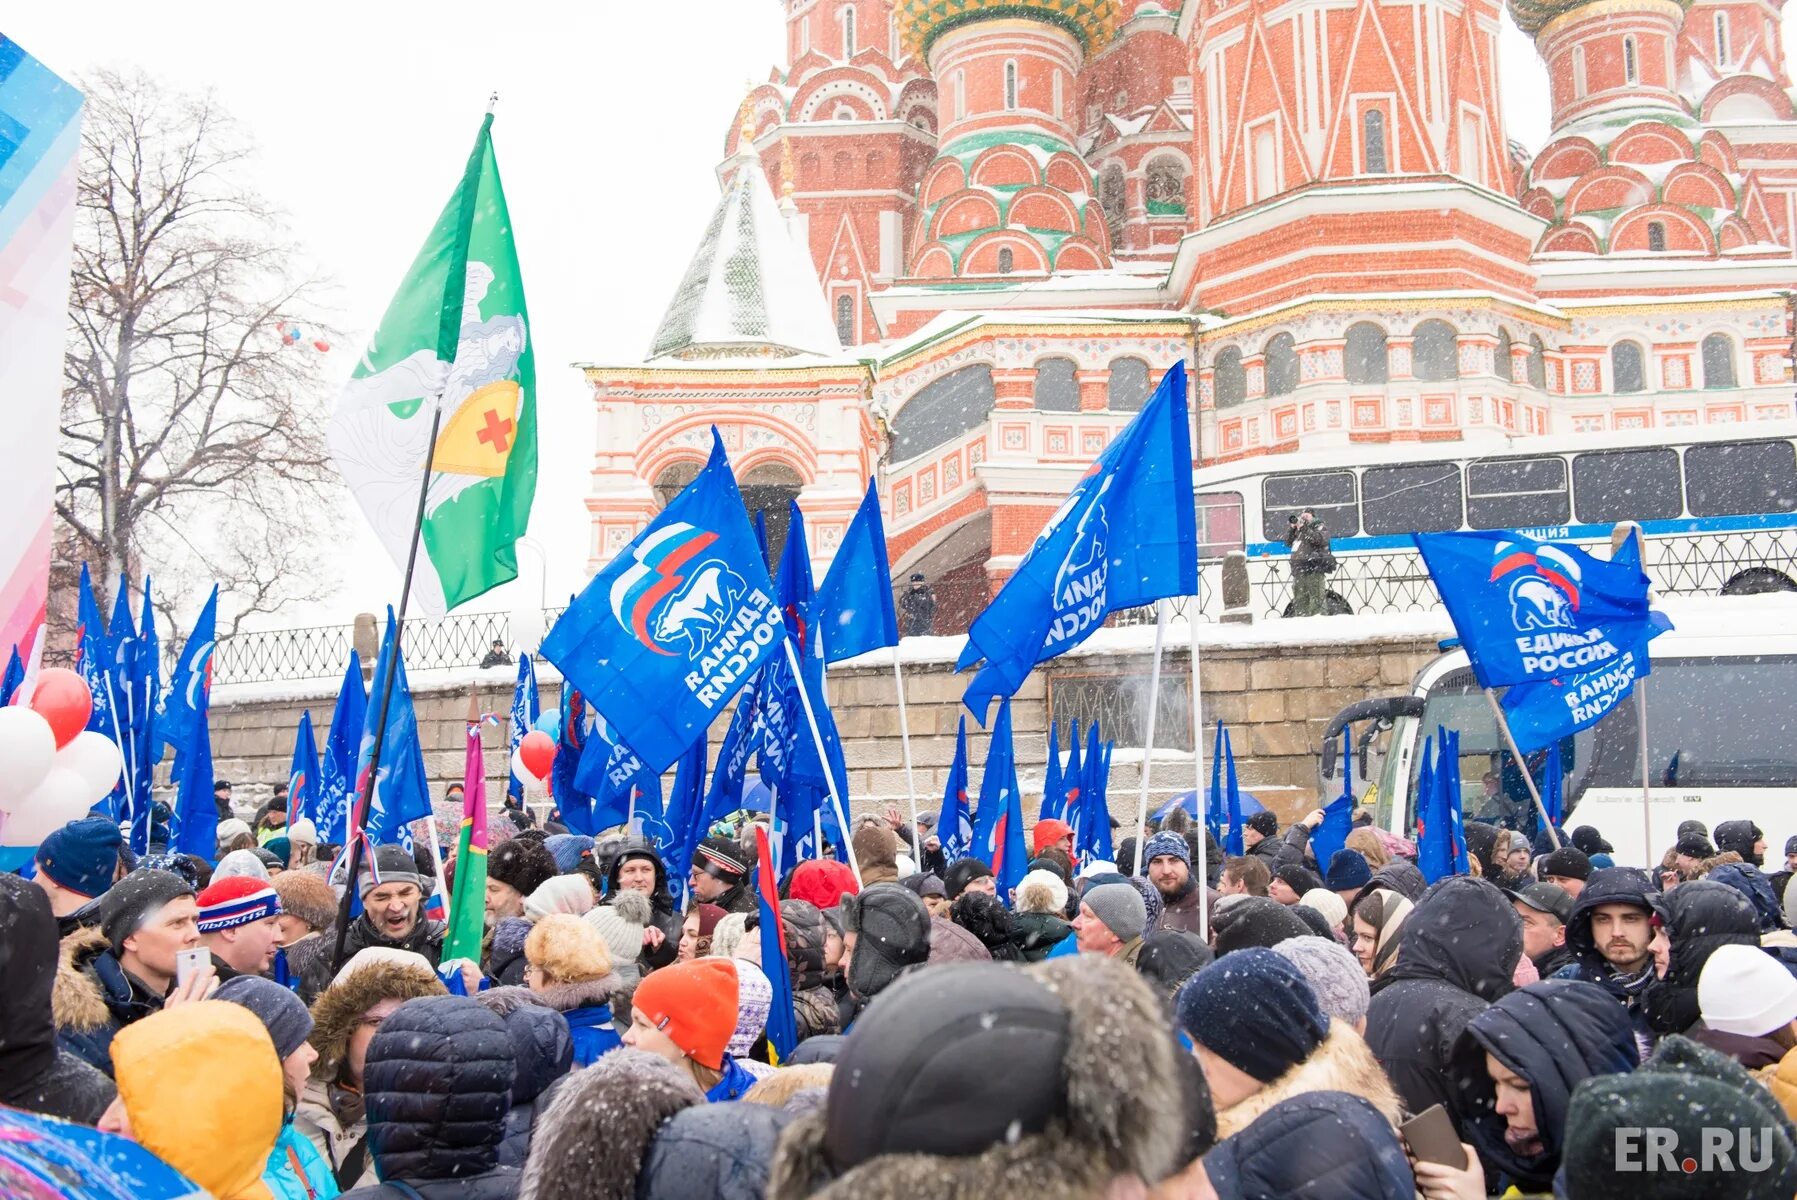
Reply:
x=1432, y=1137
x=187, y=962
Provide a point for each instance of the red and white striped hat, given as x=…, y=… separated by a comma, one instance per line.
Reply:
x=237, y=900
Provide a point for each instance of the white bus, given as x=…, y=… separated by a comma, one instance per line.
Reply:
x=1717, y=506
x=1721, y=735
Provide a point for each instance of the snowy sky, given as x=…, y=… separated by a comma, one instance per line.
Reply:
x=612, y=117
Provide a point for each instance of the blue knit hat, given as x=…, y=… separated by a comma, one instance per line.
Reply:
x=81, y=856
x=1347, y=869
x=1253, y=1009
x=1166, y=842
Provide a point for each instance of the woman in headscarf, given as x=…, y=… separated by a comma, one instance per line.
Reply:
x=1378, y=920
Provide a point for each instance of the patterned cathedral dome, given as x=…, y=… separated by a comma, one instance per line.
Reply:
x=1093, y=22
x=1532, y=15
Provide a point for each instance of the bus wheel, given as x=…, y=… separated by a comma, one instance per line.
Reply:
x=1333, y=606
x=1758, y=580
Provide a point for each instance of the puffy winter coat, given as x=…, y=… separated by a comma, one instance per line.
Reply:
x=426, y=938
x=443, y=1142
x=95, y=997
x=1343, y=1063
x=813, y=1000
x=543, y=1048
x=1039, y=933
x=718, y=1151
x=1700, y=918
x=1556, y=1034
x=1459, y=951
x=36, y=1074
x=296, y=1170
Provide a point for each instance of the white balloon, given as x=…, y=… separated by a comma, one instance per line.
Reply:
x=62, y=797
x=526, y=628
x=27, y=751
x=96, y=758
x=532, y=783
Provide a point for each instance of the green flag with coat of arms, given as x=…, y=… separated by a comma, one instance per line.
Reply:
x=456, y=336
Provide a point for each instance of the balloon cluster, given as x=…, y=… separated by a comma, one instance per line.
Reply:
x=293, y=335
x=53, y=769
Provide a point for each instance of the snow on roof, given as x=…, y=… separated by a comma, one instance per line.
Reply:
x=750, y=284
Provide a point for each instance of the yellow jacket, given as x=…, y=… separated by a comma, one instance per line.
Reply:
x=1781, y=1077
x=202, y=1087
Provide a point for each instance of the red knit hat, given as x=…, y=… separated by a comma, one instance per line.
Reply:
x=237, y=900
x=1049, y=832
x=822, y=881
x=694, y=1003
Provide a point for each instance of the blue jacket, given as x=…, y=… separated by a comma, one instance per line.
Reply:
x=284, y=1181
x=593, y=1032
x=733, y=1085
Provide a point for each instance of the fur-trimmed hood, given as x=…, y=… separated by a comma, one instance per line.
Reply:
x=76, y=1001
x=588, y=993
x=1119, y=1110
x=1343, y=1063
x=340, y=1006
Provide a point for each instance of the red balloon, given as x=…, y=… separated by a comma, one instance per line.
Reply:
x=536, y=751
x=61, y=698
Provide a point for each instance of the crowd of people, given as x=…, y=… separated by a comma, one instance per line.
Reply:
x=1287, y=1027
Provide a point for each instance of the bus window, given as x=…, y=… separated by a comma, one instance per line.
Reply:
x=1328, y=494
x=1422, y=498
x=1517, y=493
x=1738, y=478
x=1457, y=703
x=1711, y=722
x=1219, y=524
x=1627, y=485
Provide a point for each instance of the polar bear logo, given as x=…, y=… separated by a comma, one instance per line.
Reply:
x=1538, y=604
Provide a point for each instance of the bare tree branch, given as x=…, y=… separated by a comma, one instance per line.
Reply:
x=192, y=429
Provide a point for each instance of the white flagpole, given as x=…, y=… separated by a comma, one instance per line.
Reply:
x=1646, y=776
x=1522, y=764
x=817, y=740
x=1198, y=797
x=1154, y=702
x=898, y=683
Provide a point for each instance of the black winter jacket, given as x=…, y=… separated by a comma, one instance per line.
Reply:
x=661, y=901
x=1700, y=918
x=544, y=1051
x=426, y=938
x=438, y=1084
x=1556, y=1034
x=813, y=1001
x=36, y=1074
x=1458, y=953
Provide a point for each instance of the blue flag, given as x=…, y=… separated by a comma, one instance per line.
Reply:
x=146, y=690
x=1440, y=830
x=15, y=675
x=342, y=747
x=1092, y=829
x=194, y=827
x=998, y=783
x=96, y=668
x=610, y=780
x=302, y=773
x=1223, y=811
x=1054, y=791
x=682, y=818
x=401, y=788
x=191, y=682
x=572, y=741
x=954, y=825
x=526, y=708
x=662, y=638
x=1073, y=779
x=1232, y=799
x=782, y=1020
x=1008, y=854
x=1126, y=536
x=1529, y=611
x=88, y=621
x=855, y=612
x=725, y=795
x=1553, y=787
x=1338, y=818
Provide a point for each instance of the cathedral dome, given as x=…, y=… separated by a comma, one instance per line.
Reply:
x=1532, y=15
x=1093, y=22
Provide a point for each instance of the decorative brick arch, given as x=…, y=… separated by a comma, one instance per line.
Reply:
x=1570, y=239
x=965, y=212
x=1607, y=188
x=1096, y=228
x=864, y=91
x=1567, y=158
x=1684, y=230
x=1004, y=166
x=1650, y=142
x=1761, y=95
x=1043, y=208
x=1697, y=185
x=1714, y=150
x=934, y=261
x=1539, y=202
x=944, y=180
x=665, y=449
x=981, y=255
x=1078, y=254
x=1735, y=234
x=1067, y=173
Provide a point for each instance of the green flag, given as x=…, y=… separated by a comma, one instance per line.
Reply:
x=456, y=335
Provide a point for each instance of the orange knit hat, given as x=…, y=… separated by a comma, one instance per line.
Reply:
x=694, y=1003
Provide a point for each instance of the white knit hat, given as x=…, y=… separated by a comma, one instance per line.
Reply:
x=303, y=830
x=1332, y=906
x=621, y=921
x=570, y=894
x=1744, y=990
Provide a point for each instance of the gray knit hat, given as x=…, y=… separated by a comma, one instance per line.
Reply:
x=1333, y=973
x=284, y=1013
x=131, y=901
x=1120, y=907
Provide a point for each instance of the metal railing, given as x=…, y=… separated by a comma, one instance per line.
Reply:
x=1387, y=581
